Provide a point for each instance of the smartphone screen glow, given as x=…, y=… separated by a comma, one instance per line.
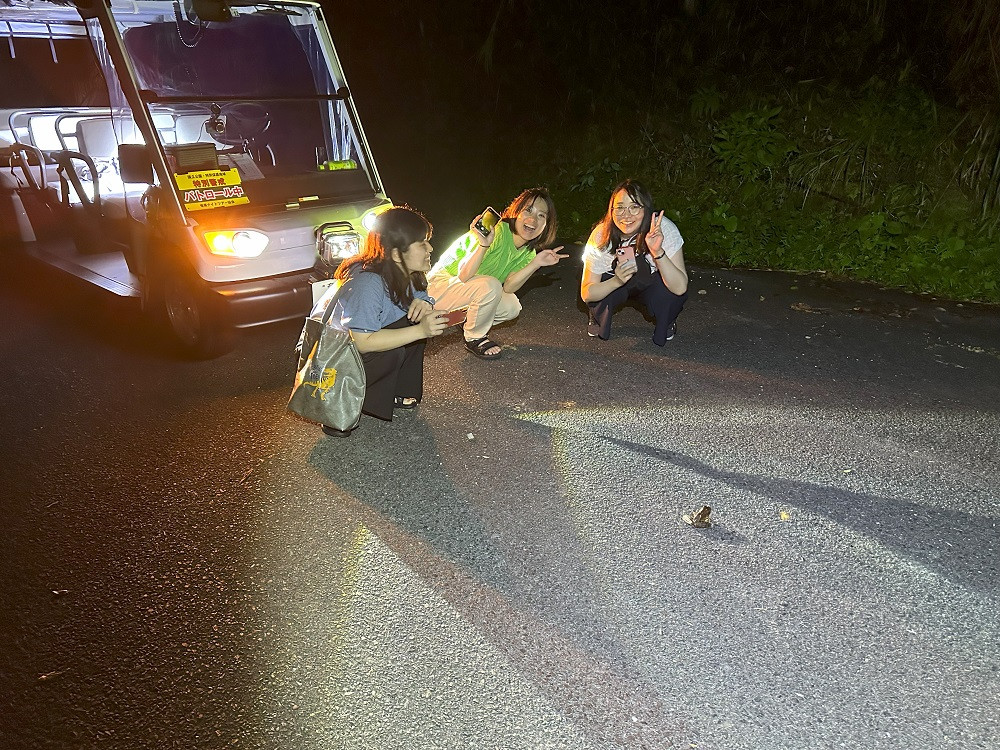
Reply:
x=487, y=221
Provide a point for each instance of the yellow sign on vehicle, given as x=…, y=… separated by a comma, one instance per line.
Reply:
x=210, y=189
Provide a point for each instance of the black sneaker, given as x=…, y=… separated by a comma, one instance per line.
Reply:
x=671, y=332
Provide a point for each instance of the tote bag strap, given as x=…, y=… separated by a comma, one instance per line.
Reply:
x=330, y=299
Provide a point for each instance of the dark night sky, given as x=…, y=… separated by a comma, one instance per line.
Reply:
x=437, y=121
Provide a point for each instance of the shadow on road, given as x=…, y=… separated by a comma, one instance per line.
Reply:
x=415, y=510
x=937, y=539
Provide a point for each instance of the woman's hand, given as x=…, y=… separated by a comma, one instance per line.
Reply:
x=432, y=324
x=419, y=309
x=485, y=240
x=654, y=238
x=549, y=257
x=625, y=271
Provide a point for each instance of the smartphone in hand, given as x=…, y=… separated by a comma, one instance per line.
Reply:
x=485, y=223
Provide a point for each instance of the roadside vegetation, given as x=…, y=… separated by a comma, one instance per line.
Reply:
x=861, y=140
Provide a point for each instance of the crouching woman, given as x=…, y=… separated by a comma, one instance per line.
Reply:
x=482, y=272
x=390, y=315
x=634, y=253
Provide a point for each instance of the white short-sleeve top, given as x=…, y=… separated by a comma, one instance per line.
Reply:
x=598, y=260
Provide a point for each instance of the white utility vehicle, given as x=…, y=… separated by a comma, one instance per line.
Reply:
x=201, y=155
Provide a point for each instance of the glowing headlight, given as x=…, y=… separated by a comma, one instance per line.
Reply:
x=335, y=246
x=243, y=243
x=368, y=220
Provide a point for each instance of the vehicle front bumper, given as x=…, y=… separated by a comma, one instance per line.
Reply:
x=269, y=300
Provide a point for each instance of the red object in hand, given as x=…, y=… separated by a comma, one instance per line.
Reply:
x=455, y=317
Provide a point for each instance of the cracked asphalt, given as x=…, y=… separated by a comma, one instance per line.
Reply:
x=187, y=565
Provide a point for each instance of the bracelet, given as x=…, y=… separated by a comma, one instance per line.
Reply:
x=658, y=257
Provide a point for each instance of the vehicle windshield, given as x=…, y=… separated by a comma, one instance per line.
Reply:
x=262, y=89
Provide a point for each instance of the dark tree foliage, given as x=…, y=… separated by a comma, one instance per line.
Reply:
x=859, y=137
x=588, y=51
x=973, y=35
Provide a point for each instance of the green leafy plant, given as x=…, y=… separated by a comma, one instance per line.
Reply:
x=877, y=183
x=749, y=145
x=603, y=174
x=705, y=103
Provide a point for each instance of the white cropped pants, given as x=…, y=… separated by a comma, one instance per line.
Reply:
x=488, y=303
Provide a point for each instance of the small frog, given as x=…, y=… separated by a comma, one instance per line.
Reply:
x=700, y=518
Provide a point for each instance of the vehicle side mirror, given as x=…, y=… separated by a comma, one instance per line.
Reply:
x=134, y=164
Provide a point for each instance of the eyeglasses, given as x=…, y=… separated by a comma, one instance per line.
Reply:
x=622, y=209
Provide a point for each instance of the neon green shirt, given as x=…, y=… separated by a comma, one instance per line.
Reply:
x=500, y=261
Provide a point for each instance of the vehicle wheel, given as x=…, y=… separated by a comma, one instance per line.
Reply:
x=194, y=318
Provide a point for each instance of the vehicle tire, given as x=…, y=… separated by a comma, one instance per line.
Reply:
x=194, y=317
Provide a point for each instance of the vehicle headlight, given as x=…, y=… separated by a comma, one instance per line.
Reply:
x=368, y=220
x=241, y=243
x=335, y=246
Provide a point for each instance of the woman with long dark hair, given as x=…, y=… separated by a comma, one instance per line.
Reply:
x=385, y=304
x=634, y=252
x=481, y=272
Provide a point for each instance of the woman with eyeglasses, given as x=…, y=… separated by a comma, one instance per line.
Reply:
x=634, y=252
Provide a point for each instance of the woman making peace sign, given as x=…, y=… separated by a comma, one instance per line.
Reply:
x=482, y=272
x=634, y=252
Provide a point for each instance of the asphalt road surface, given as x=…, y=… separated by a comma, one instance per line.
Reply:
x=186, y=565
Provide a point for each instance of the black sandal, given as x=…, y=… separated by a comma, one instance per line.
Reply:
x=400, y=402
x=479, y=347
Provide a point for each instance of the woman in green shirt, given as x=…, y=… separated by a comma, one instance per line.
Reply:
x=482, y=272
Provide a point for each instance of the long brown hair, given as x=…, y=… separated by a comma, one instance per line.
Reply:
x=525, y=199
x=395, y=229
x=608, y=236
